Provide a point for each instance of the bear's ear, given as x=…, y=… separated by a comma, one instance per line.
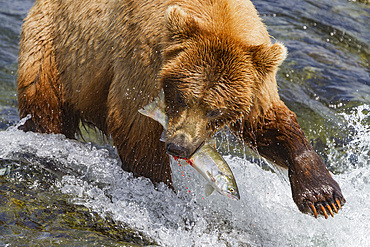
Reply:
x=267, y=58
x=180, y=24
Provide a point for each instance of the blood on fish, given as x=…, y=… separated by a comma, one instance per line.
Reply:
x=189, y=162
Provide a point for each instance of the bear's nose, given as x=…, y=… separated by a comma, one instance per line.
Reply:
x=177, y=150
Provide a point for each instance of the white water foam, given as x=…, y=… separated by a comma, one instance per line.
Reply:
x=357, y=152
x=264, y=216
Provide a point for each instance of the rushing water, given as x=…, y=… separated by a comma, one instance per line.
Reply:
x=69, y=193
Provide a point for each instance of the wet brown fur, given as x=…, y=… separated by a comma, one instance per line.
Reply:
x=100, y=61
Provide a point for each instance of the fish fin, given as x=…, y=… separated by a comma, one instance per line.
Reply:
x=156, y=110
x=163, y=136
x=144, y=112
x=161, y=102
x=209, y=189
x=150, y=110
x=157, y=103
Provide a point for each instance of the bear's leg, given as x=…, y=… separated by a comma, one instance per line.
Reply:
x=277, y=136
x=39, y=88
x=40, y=95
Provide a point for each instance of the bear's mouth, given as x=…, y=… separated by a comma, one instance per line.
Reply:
x=176, y=151
x=199, y=147
x=191, y=155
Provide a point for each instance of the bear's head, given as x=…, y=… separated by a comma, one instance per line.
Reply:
x=209, y=78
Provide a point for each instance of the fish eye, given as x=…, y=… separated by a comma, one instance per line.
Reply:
x=231, y=190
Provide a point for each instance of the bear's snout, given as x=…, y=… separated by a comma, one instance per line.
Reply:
x=180, y=145
x=186, y=132
x=177, y=150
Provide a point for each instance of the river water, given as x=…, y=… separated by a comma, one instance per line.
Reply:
x=61, y=192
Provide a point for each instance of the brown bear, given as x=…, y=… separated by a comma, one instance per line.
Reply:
x=99, y=62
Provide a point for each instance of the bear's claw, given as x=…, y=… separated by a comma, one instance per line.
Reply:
x=330, y=210
x=313, y=210
x=323, y=208
x=338, y=202
x=334, y=207
x=313, y=188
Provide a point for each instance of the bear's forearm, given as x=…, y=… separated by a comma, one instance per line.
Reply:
x=276, y=136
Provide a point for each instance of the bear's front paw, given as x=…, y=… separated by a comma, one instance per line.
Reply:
x=317, y=194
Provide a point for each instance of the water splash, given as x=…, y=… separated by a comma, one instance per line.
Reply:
x=265, y=215
x=356, y=152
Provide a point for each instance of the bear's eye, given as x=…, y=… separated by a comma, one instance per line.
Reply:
x=181, y=100
x=213, y=113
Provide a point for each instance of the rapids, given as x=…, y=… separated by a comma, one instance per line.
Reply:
x=62, y=192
